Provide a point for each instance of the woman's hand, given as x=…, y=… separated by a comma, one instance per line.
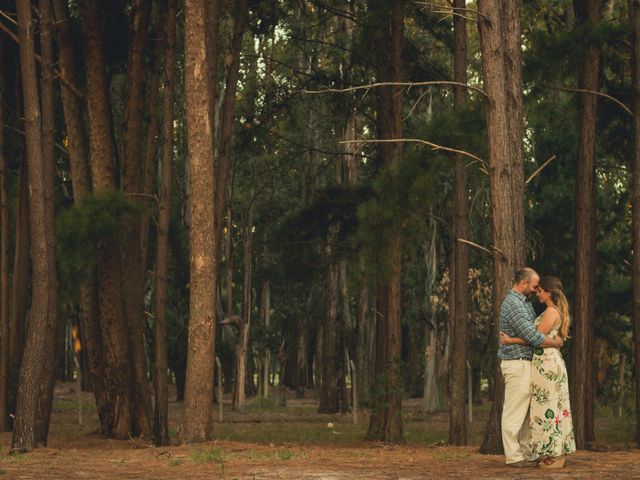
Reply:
x=505, y=339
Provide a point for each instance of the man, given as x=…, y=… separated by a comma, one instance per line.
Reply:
x=517, y=320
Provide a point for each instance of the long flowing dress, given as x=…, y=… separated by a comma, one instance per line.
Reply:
x=550, y=412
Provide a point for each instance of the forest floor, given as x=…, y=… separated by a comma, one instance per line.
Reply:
x=267, y=441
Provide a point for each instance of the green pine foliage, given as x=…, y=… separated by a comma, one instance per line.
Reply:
x=81, y=229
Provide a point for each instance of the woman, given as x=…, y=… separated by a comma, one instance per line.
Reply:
x=552, y=435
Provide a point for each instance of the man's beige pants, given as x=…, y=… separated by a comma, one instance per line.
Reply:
x=515, y=413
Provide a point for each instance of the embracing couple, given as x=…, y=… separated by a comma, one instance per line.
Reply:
x=537, y=430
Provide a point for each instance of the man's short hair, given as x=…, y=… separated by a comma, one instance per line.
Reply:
x=524, y=274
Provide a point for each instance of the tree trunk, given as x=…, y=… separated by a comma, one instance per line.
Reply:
x=49, y=174
x=265, y=353
x=35, y=365
x=161, y=413
x=504, y=181
x=329, y=391
x=635, y=202
x=117, y=360
x=386, y=417
x=239, y=393
x=301, y=349
x=19, y=287
x=431, y=352
x=91, y=343
x=365, y=329
x=223, y=160
x=131, y=184
x=581, y=374
x=4, y=265
x=458, y=288
x=512, y=41
x=198, y=421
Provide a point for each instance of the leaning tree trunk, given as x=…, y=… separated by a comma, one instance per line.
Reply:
x=507, y=238
x=635, y=201
x=581, y=375
x=35, y=365
x=458, y=288
x=4, y=265
x=198, y=420
x=49, y=173
x=161, y=412
x=386, y=418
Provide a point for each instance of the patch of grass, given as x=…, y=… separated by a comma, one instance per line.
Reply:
x=210, y=455
x=298, y=432
x=174, y=462
x=13, y=458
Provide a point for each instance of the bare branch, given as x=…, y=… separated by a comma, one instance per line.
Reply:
x=453, y=10
x=394, y=84
x=479, y=247
x=435, y=146
x=57, y=72
x=539, y=169
x=593, y=92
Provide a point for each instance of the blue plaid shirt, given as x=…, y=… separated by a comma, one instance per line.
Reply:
x=517, y=320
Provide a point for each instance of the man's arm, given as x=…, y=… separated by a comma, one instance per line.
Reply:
x=518, y=319
x=524, y=329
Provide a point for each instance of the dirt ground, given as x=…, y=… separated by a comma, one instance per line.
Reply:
x=76, y=452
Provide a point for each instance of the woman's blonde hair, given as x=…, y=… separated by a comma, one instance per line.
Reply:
x=553, y=285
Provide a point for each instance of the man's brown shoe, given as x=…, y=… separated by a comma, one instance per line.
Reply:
x=524, y=464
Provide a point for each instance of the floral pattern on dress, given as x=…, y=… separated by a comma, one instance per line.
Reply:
x=550, y=412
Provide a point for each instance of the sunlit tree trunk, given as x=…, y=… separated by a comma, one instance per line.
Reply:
x=35, y=365
x=458, y=288
x=581, y=373
x=198, y=421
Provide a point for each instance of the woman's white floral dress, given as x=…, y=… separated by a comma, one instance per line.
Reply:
x=550, y=411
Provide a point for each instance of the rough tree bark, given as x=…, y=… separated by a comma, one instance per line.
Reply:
x=119, y=419
x=458, y=288
x=49, y=173
x=161, y=415
x=35, y=365
x=581, y=374
x=506, y=232
x=386, y=417
x=198, y=421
